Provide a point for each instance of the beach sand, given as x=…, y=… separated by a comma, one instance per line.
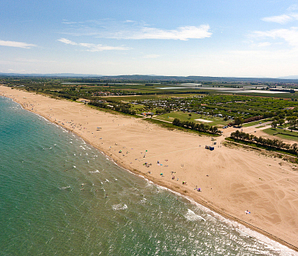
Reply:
x=232, y=180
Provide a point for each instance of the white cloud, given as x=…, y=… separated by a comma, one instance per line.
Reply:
x=130, y=29
x=293, y=7
x=66, y=41
x=281, y=19
x=93, y=47
x=181, y=33
x=264, y=44
x=16, y=44
x=151, y=56
x=288, y=35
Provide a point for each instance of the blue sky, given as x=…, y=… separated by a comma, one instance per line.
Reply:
x=240, y=38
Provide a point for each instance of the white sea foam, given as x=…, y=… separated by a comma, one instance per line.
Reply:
x=242, y=233
x=191, y=216
x=143, y=201
x=117, y=207
x=64, y=188
x=97, y=171
x=241, y=229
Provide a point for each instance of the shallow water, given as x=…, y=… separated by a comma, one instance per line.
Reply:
x=61, y=196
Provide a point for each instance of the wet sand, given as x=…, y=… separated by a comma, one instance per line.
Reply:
x=231, y=180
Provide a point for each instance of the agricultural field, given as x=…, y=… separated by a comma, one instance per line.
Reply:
x=283, y=134
x=166, y=98
x=193, y=117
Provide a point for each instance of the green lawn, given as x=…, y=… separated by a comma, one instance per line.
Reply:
x=255, y=122
x=138, y=108
x=185, y=117
x=285, y=133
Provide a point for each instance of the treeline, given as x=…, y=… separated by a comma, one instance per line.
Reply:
x=266, y=142
x=196, y=126
x=253, y=118
x=66, y=96
x=119, y=107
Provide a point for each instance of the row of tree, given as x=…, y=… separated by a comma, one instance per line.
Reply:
x=196, y=126
x=119, y=107
x=253, y=118
x=239, y=120
x=270, y=143
x=291, y=120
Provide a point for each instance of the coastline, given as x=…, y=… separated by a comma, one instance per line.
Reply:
x=179, y=154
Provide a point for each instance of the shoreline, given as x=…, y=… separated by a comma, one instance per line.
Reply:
x=211, y=200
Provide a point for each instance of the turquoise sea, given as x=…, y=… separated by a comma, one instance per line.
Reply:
x=60, y=196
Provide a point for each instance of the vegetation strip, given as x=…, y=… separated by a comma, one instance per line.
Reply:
x=266, y=143
x=198, y=127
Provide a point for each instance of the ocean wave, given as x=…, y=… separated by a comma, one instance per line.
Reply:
x=64, y=188
x=191, y=216
x=143, y=201
x=117, y=207
x=97, y=171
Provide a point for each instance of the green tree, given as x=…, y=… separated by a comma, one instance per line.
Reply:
x=238, y=121
x=281, y=121
x=292, y=121
x=274, y=124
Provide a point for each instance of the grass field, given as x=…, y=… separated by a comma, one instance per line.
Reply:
x=130, y=98
x=217, y=121
x=283, y=134
x=138, y=108
x=255, y=122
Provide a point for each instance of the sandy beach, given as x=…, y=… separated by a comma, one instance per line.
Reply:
x=231, y=180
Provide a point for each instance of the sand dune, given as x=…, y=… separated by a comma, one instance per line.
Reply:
x=232, y=180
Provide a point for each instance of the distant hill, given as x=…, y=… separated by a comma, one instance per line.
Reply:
x=168, y=79
x=48, y=75
x=187, y=79
x=289, y=77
